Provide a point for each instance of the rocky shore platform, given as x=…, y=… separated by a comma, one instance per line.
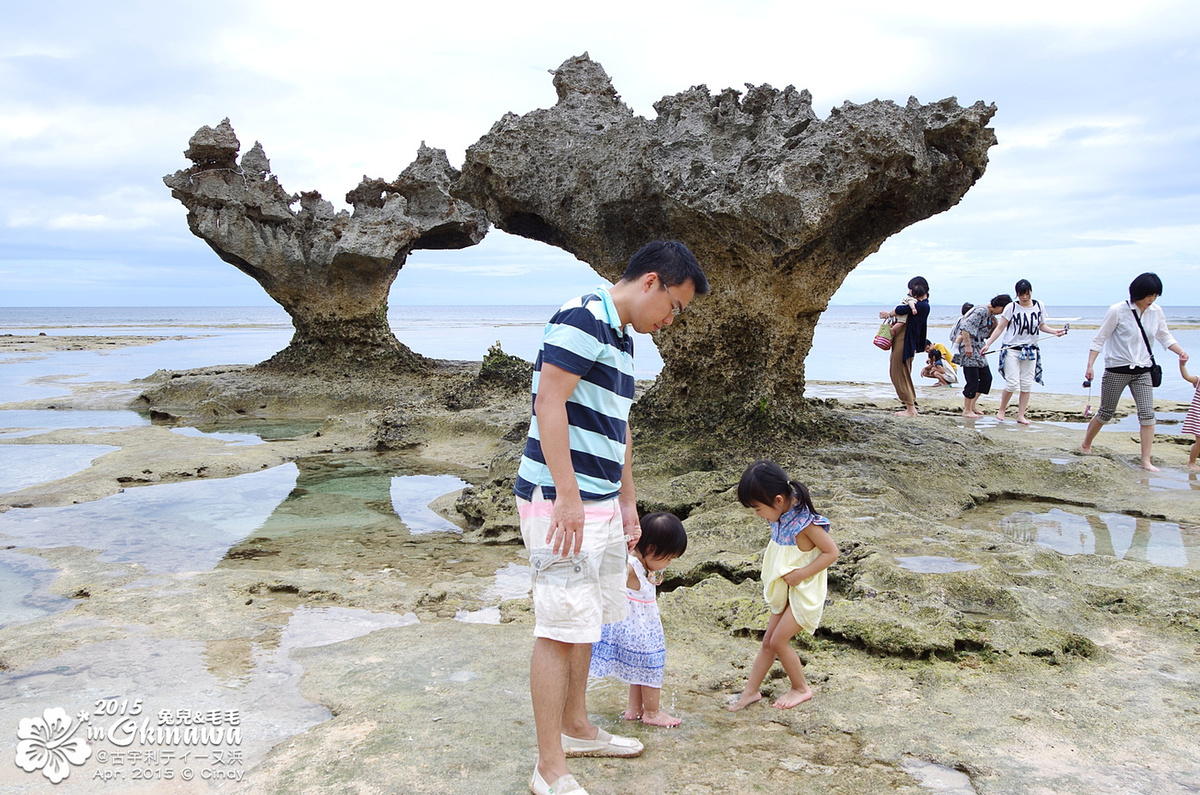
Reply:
x=957, y=653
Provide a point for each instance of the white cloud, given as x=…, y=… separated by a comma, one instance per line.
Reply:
x=1098, y=122
x=96, y=223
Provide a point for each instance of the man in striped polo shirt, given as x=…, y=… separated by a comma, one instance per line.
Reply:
x=575, y=493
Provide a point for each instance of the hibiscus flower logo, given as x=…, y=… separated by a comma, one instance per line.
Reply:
x=48, y=744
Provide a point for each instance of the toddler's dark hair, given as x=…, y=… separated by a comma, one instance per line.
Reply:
x=663, y=536
x=764, y=480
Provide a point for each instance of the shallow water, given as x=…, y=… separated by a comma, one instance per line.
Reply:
x=938, y=778
x=511, y=582
x=25, y=465
x=933, y=564
x=411, y=495
x=36, y=421
x=24, y=588
x=253, y=682
x=1081, y=531
x=185, y=527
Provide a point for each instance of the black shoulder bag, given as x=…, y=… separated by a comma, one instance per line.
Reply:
x=1155, y=368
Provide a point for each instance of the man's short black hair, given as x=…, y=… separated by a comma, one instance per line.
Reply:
x=1001, y=301
x=671, y=260
x=1144, y=285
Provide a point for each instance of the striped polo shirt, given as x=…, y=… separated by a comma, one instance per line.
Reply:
x=585, y=338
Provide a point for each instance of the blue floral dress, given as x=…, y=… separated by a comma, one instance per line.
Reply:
x=807, y=599
x=633, y=650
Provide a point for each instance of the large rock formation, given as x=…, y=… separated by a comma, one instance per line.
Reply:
x=778, y=205
x=330, y=271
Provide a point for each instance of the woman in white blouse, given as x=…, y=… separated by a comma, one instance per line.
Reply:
x=1127, y=358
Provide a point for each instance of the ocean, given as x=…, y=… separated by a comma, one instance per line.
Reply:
x=842, y=356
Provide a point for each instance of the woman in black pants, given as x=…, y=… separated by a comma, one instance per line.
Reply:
x=974, y=331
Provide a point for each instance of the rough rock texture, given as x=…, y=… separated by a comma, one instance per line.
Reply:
x=330, y=271
x=777, y=204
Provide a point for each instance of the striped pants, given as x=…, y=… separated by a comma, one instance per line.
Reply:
x=1114, y=383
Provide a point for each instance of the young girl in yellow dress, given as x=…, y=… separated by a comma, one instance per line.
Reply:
x=793, y=573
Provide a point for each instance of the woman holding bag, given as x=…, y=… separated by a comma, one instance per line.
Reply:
x=916, y=315
x=1125, y=335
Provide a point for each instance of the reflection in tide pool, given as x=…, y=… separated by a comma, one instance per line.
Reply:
x=1083, y=532
x=232, y=438
x=253, y=678
x=934, y=564
x=411, y=495
x=512, y=582
x=186, y=527
x=24, y=581
x=938, y=778
x=25, y=465
x=38, y=420
x=174, y=527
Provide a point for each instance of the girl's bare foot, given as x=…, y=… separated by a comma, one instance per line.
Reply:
x=906, y=413
x=1086, y=449
x=744, y=700
x=792, y=698
x=1146, y=465
x=1022, y=421
x=1194, y=467
x=1000, y=416
x=660, y=718
x=631, y=714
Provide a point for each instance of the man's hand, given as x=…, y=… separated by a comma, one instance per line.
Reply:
x=565, y=535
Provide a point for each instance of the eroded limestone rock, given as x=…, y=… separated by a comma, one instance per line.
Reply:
x=777, y=204
x=330, y=271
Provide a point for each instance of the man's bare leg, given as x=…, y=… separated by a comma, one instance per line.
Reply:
x=575, y=721
x=549, y=679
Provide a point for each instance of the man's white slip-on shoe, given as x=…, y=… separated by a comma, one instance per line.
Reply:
x=605, y=744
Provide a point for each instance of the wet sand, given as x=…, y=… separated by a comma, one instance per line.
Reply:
x=41, y=343
x=335, y=635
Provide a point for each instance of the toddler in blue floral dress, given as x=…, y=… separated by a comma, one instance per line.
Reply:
x=635, y=650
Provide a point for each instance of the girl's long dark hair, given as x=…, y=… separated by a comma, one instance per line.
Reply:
x=764, y=480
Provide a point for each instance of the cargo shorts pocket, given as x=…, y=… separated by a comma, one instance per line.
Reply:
x=564, y=589
x=614, y=568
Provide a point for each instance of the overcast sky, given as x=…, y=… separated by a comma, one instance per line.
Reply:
x=1096, y=177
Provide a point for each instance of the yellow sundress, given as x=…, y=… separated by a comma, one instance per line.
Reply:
x=807, y=599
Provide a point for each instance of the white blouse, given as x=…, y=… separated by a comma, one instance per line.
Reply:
x=1125, y=347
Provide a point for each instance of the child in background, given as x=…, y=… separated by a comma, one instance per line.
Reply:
x=1191, y=423
x=635, y=650
x=793, y=573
